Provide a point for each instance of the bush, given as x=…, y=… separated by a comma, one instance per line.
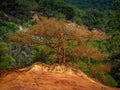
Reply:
x=3, y=48
x=79, y=64
x=43, y=54
x=6, y=61
x=106, y=79
x=7, y=28
x=111, y=81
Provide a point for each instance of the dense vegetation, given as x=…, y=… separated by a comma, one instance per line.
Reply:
x=15, y=14
x=98, y=4
x=63, y=38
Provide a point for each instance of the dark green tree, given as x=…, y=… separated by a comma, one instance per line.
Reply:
x=50, y=8
x=114, y=42
x=6, y=61
x=94, y=18
x=98, y=4
x=18, y=8
x=7, y=28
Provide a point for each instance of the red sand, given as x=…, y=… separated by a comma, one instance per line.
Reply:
x=41, y=80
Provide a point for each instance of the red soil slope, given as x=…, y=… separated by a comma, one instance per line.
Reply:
x=37, y=78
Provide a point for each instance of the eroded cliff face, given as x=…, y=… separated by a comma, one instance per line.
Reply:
x=49, y=77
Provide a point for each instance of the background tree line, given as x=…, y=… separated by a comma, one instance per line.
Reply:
x=93, y=4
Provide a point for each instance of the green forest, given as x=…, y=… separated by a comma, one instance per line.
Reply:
x=93, y=4
x=18, y=49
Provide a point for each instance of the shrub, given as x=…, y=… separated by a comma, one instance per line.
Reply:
x=6, y=61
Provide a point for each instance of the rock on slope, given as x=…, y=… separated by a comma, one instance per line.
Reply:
x=49, y=77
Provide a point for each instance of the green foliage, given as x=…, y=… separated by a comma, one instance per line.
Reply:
x=60, y=15
x=92, y=69
x=6, y=61
x=3, y=48
x=106, y=79
x=114, y=22
x=91, y=15
x=43, y=54
x=113, y=47
x=94, y=18
x=115, y=71
x=111, y=81
x=29, y=4
x=98, y=4
x=81, y=65
x=116, y=5
x=50, y=7
x=7, y=28
x=19, y=8
x=113, y=29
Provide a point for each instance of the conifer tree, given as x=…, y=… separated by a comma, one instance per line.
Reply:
x=65, y=38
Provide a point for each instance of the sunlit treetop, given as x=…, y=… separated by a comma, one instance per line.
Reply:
x=58, y=35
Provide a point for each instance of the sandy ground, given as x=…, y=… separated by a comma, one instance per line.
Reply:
x=44, y=80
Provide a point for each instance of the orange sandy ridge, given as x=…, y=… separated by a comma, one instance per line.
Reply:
x=48, y=77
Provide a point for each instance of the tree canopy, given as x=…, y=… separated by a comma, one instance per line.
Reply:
x=98, y=4
x=6, y=61
x=58, y=35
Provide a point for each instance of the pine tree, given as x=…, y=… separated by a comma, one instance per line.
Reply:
x=65, y=38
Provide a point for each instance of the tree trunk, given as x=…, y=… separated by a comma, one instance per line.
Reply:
x=59, y=54
x=64, y=54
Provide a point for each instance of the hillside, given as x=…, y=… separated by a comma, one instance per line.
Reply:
x=48, y=77
x=86, y=4
x=58, y=43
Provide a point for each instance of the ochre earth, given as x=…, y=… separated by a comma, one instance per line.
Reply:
x=48, y=77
